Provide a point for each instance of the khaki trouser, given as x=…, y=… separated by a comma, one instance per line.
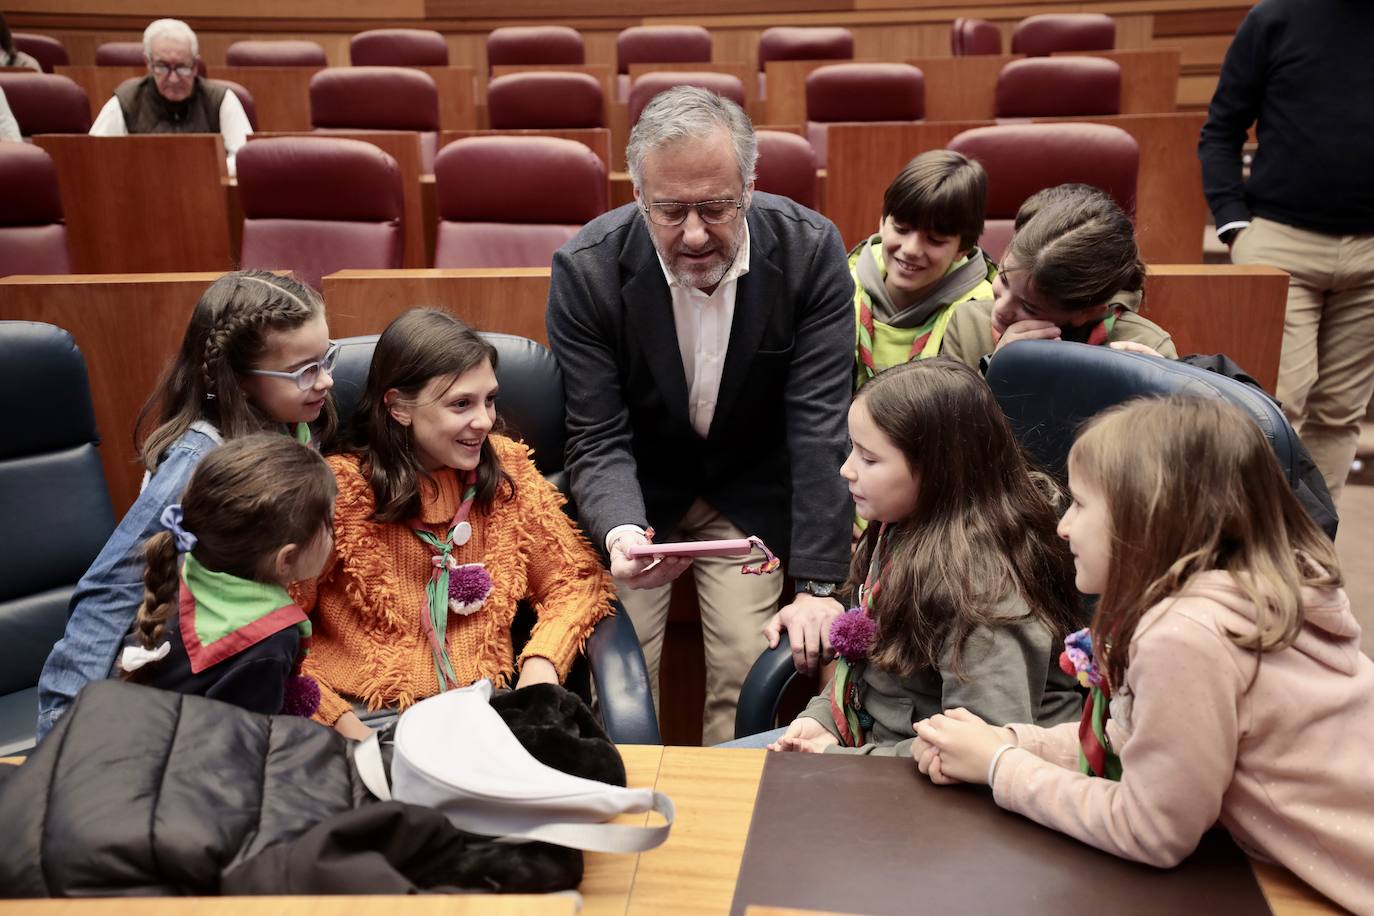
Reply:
x=734, y=608
x=1326, y=372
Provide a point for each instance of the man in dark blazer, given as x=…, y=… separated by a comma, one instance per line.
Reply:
x=706, y=338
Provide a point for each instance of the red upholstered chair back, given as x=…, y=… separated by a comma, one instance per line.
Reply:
x=1037, y=36
x=974, y=36
x=546, y=100
x=513, y=201
x=129, y=54
x=275, y=54
x=786, y=42
x=862, y=92
x=527, y=46
x=661, y=44
x=319, y=204
x=250, y=107
x=1059, y=87
x=48, y=51
x=377, y=98
x=1024, y=158
x=398, y=48
x=786, y=166
x=648, y=85
x=33, y=239
x=45, y=103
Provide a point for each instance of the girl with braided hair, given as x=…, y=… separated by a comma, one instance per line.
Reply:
x=216, y=620
x=256, y=357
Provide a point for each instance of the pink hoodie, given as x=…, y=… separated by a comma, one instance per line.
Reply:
x=1287, y=766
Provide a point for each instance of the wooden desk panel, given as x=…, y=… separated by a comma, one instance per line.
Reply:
x=1149, y=77
x=457, y=106
x=510, y=300
x=597, y=139
x=785, y=102
x=99, y=82
x=282, y=94
x=147, y=203
x=608, y=878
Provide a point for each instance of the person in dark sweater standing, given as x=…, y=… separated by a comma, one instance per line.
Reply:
x=1300, y=71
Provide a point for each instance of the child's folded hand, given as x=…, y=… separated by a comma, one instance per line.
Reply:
x=927, y=759
x=964, y=743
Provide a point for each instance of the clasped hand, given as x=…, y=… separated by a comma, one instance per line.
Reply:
x=957, y=746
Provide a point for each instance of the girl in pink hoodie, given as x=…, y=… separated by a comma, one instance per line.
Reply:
x=1227, y=684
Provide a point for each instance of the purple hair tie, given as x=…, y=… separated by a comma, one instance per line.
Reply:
x=172, y=518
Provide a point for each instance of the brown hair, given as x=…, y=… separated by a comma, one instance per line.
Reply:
x=245, y=500
x=420, y=345
x=1231, y=509
x=940, y=191
x=1077, y=246
x=226, y=335
x=982, y=528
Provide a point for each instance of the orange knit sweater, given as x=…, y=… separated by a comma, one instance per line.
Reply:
x=367, y=605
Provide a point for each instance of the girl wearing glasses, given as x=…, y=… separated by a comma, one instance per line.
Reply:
x=256, y=356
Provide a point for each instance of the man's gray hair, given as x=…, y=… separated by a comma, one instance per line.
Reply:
x=172, y=28
x=689, y=111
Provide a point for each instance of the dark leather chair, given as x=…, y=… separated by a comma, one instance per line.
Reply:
x=250, y=106
x=861, y=92
x=545, y=100
x=48, y=51
x=33, y=238
x=658, y=44
x=1037, y=36
x=790, y=42
x=54, y=508
x=398, y=48
x=275, y=54
x=513, y=201
x=974, y=36
x=315, y=205
x=531, y=409
x=786, y=166
x=1021, y=159
x=648, y=85
x=377, y=98
x=1059, y=87
x=534, y=46
x=45, y=103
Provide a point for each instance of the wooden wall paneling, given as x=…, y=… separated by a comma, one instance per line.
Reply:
x=128, y=328
x=510, y=300
x=123, y=213
x=99, y=82
x=282, y=94
x=1222, y=308
x=597, y=139
x=404, y=147
x=1149, y=78
x=246, y=9
x=457, y=110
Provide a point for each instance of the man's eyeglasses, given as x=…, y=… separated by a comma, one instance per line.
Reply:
x=715, y=212
x=306, y=376
x=162, y=68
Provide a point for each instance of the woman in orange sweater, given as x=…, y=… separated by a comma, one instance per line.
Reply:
x=440, y=528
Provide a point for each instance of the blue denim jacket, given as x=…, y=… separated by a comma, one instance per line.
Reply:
x=108, y=596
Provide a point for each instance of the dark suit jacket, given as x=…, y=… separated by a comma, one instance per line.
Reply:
x=771, y=460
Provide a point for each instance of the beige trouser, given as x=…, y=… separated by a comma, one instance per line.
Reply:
x=734, y=608
x=1326, y=372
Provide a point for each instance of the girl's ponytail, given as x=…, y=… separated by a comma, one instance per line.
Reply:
x=161, y=589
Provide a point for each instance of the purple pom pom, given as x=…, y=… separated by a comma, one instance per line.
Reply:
x=302, y=697
x=851, y=635
x=469, y=584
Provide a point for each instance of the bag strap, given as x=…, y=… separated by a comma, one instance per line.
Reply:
x=604, y=837
x=367, y=757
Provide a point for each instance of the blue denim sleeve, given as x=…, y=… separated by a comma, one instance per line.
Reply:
x=107, y=598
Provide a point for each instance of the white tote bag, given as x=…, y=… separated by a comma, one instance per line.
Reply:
x=455, y=753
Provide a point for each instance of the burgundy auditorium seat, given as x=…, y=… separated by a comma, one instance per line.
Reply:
x=275, y=54
x=545, y=100
x=788, y=42
x=974, y=36
x=33, y=239
x=861, y=92
x=513, y=201
x=315, y=205
x=535, y=45
x=786, y=166
x=651, y=84
x=46, y=103
x=1059, y=87
x=1024, y=158
x=377, y=98
x=48, y=51
x=1037, y=36
x=398, y=48
x=658, y=44
x=129, y=54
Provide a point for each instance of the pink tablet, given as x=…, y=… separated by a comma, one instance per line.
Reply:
x=738, y=547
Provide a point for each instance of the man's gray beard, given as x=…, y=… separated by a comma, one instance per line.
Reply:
x=699, y=277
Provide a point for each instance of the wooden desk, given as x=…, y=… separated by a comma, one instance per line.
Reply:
x=457, y=106
x=146, y=203
x=1171, y=212
x=597, y=139
x=282, y=94
x=99, y=82
x=456, y=905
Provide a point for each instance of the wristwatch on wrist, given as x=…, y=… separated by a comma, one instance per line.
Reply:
x=817, y=589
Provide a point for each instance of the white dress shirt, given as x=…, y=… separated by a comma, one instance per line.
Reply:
x=233, y=124
x=9, y=127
